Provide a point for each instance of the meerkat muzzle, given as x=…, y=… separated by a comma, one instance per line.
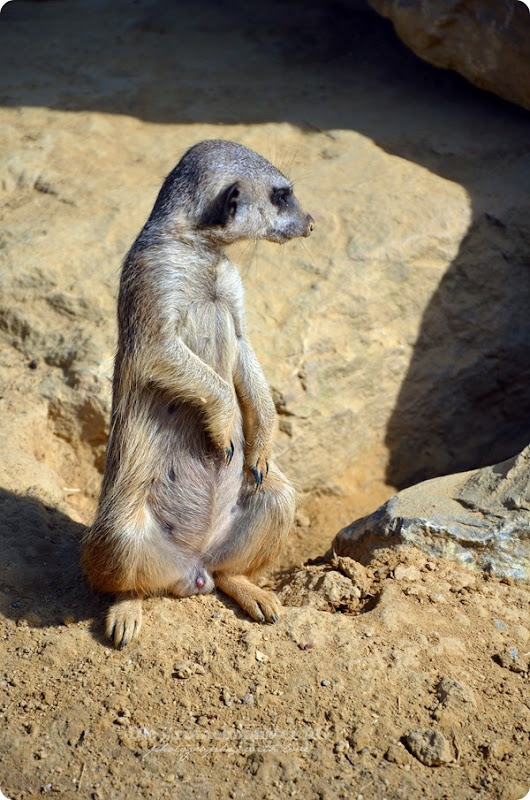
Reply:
x=309, y=225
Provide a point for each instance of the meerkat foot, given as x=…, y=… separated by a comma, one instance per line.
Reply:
x=260, y=604
x=124, y=620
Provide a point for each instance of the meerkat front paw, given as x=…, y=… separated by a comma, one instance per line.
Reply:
x=229, y=453
x=124, y=620
x=225, y=446
x=224, y=443
x=221, y=425
x=259, y=471
x=258, y=465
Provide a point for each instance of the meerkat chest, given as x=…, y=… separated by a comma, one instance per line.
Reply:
x=225, y=289
x=213, y=318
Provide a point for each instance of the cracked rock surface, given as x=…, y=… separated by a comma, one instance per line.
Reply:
x=480, y=519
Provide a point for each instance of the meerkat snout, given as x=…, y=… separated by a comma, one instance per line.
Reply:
x=310, y=225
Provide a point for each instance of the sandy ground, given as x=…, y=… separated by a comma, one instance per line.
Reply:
x=402, y=678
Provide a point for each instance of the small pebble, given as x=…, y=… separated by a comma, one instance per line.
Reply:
x=501, y=626
x=402, y=573
x=324, y=682
x=429, y=746
x=396, y=754
x=499, y=749
x=354, y=571
x=186, y=669
x=509, y=658
x=452, y=693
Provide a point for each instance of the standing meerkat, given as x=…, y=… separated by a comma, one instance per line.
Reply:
x=190, y=497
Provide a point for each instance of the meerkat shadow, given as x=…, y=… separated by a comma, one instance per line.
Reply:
x=42, y=584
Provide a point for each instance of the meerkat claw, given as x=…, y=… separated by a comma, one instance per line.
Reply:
x=258, y=477
x=229, y=453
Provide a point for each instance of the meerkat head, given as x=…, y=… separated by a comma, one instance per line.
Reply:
x=226, y=191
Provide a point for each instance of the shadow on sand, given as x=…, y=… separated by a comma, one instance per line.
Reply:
x=42, y=584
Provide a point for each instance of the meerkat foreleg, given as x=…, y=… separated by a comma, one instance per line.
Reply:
x=183, y=375
x=257, y=408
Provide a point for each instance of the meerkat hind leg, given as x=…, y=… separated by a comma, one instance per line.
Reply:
x=260, y=604
x=257, y=535
x=124, y=619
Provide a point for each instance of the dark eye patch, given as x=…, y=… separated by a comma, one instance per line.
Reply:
x=281, y=197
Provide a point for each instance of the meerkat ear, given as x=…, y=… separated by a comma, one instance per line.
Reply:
x=222, y=209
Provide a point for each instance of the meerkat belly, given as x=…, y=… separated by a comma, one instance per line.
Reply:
x=195, y=490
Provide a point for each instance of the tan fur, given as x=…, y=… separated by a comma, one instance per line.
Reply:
x=190, y=495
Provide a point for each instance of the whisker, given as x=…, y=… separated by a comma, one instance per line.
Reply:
x=244, y=250
x=293, y=159
x=308, y=253
x=254, y=244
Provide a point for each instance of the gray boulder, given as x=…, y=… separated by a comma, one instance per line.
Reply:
x=486, y=41
x=479, y=518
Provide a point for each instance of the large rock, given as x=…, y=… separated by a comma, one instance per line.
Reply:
x=479, y=518
x=395, y=339
x=486, y=42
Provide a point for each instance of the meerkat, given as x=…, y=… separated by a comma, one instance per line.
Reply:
x=191, y=498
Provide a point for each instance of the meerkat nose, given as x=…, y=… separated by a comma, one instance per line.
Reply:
x=309, y=224
x=200, y=582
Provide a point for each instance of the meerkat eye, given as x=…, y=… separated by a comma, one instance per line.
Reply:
x=280, y=197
